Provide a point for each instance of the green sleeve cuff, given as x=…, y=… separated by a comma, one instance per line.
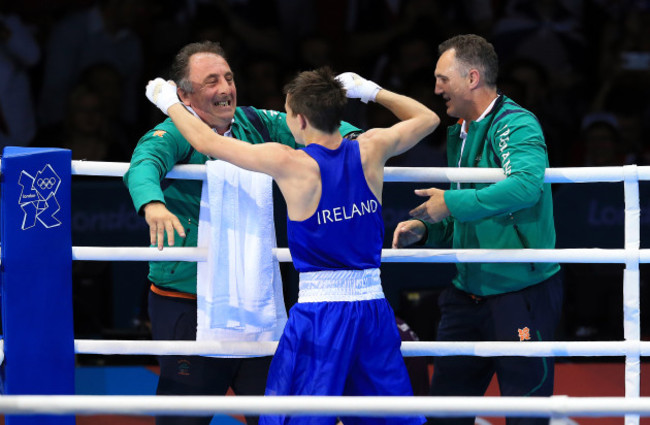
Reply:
x=458, y=203
x=438, y=234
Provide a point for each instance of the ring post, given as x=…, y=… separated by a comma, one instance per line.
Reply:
x=36, y=275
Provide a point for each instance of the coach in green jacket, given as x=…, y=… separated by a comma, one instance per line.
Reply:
x=171, y=208
x=490, y=301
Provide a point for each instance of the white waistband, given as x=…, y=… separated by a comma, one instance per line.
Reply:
x=340, y=285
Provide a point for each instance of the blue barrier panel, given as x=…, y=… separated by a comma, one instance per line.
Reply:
x=37, y=277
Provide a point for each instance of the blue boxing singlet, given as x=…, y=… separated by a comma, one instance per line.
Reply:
x=347, y=230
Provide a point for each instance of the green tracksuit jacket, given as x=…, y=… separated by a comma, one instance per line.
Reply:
x=514, y=213
x=163, y=147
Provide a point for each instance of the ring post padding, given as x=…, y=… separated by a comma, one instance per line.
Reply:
x=36, y=273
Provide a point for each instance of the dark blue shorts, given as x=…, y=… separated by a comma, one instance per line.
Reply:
x=340, y=348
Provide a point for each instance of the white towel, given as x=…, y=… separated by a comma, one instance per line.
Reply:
x=239, y=288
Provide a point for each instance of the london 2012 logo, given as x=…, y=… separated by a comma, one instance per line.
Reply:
x=38, y=198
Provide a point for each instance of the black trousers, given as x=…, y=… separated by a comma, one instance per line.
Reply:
x=175, y=319
x=531, y=314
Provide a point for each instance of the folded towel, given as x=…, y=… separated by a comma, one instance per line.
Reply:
x=239, y=287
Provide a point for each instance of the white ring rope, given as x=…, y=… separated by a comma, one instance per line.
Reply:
x=587, y=255
x=408, y=348
x=397, y=174
x=555, y=406
x=631, y=406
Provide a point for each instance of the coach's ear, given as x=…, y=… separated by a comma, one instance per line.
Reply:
x=474, y=78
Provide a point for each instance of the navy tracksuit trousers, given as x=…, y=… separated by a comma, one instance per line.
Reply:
x=531, y=314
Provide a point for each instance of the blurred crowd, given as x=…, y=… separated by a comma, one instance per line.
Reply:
x=73, y=72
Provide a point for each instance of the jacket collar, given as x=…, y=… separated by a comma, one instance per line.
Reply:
x=488, y=116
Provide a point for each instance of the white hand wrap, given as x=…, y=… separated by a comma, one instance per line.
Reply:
x=162, y=94
x=358, y=87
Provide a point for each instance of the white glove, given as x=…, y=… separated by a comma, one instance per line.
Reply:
x=358, y=87
x=162, y=94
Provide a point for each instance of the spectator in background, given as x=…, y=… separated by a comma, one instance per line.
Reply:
x=624, y=86
x=622, y=63
x=105, y=81
x=599, y=144
x=19, y=51
x=409, y=55
x=547, y=31
x=359, y=33
x=625, y=38
x=625, y=96
x=556, y=110
x=100, y=33
x=263, y=83
x=86, y=128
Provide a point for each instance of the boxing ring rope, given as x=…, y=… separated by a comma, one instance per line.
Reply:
x=632, y=348
x=378, y=406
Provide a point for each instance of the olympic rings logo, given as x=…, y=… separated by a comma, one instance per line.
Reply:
x=46, y=183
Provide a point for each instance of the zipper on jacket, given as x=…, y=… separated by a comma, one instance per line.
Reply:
x=521, y=238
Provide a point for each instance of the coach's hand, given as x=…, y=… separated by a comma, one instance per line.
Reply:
x=433, y=210
x=161, y=220
x=407, y=233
